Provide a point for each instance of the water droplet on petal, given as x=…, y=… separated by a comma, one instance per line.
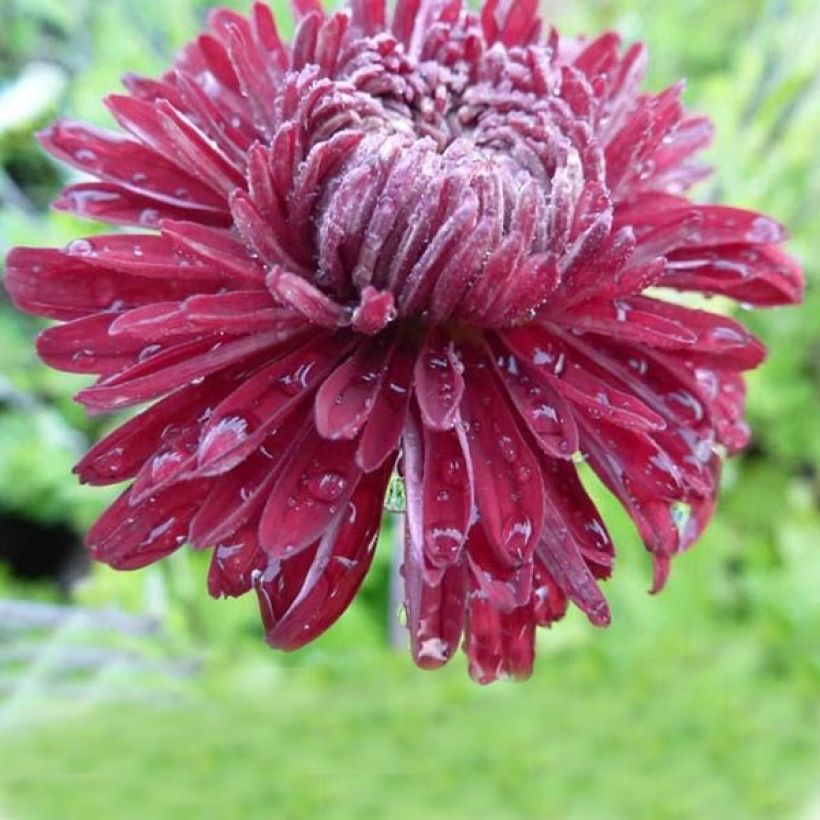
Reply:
x=80, y=247
x=443, y=540
x=508, y=449
x=111, y=462
x=517, y=532
x=227, y=434
x=328, y=486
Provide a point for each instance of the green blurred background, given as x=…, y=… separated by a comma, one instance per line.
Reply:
x=134, y=695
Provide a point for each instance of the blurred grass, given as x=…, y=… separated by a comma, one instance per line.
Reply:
x=703, y=703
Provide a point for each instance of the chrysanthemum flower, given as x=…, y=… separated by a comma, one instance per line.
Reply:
x=430, y=241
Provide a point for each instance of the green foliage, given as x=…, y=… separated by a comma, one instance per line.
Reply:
x=702, y=703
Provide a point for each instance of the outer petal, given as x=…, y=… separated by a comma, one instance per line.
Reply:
x=508, y=484
x=311, y=600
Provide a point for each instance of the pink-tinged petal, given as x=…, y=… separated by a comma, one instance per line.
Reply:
x=233, y=136
x=215, y=57
x=382, y=431
x=152, y=90
x=47, y=282
x=435, y=606
x=464, y=266
x=250, y=67
x=368, y=15
x=267, y=35
x=591, y=247
x=637, y=460
x=505, y=588
x=375, y=311
x=404, y=185
x=574, y=514
x=479, y=302
x=303, y=51
x=599, y=55
x=439, y=385
x=512, y=23
x=566, y=565
x=720, y=342
x=167, y=466
x=235, y=563
x=436, y=251
x=629, y=153
x=304, y=8
x=762, y=276
x=721, y=225
x=237, y=312
x=116, y=158
x=598, y=276
x=498, y=644
x=312, y=175
x=239, y=424
x=447, y=496
x=692, y=134
x=434, y=596
x=626, y=320
x=217, y=248
x=171, y=368
x=653, y=514
x=147, y=255
x=239, y=497
x=724, y=396
x=165, y=130
x=127, y=537
x=345, y=400
x=662, y=230
x=528, y=290
x=404, y=19
x=300, y=295
x=159, y=320
x=349, y=218
x=121, y=453
x=108, y=202
x=508, y=486
x=86, y=346
x=315, y=485
x=340, y=563
x=549, y=604
x=599, y=399
x=547, y=414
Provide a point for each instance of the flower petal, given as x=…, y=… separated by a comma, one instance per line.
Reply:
x=509, y=491
x=439, y=385
x=315, y=484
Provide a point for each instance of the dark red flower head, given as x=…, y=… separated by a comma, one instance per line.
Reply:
x=431, y=241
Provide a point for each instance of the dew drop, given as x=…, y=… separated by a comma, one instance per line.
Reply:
x=80, y=247
x=763, y=230
x=328, y=486
x=111, y=462
x=224, y=436
x=84, y=358
x=517, y=532
x=149, y=218
x=452, y=471
x=523, y=474
x=508, y=449
x=86, y=156
x=148, y=352
x=443, y=540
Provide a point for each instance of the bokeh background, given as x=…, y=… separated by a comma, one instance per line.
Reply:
x=135, y=695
